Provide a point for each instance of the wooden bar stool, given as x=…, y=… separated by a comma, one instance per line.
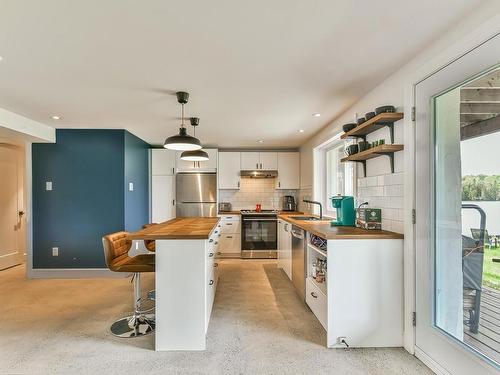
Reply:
x=116, y=248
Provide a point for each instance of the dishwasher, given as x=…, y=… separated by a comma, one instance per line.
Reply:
x=299, y=261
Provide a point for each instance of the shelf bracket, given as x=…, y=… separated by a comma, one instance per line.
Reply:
x=391, y=158
x=364, y=166
x=390, y=125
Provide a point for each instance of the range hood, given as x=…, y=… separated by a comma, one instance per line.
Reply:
x=258, y=174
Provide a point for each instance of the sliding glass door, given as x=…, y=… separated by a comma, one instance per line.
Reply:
x=458, y=214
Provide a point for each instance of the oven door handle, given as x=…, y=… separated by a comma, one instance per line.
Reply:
x=260, y=219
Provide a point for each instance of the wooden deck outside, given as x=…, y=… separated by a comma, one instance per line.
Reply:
x=487, y=340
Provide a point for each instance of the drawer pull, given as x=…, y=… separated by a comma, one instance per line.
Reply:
x=229, y=223
x=211, y=255
x=314, y=295
x=229, y=236
x=216, y=264
x=211, y=282
x=219, y=253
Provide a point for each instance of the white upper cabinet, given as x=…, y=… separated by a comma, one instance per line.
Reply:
x=288, y=170
x=229, y=170
x=198, y=166
x=162, y=162
x=250, y=160
x=259, y=160
x=269, y=161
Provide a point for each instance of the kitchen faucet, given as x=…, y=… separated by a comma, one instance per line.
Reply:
x=319, y=204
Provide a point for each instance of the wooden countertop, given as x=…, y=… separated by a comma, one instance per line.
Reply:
x=325, y=230
x=182, y=228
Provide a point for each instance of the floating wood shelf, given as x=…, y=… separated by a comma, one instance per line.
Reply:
x=375, y=152
x=375, y=123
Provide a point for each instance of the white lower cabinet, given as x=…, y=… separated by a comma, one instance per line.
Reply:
x=360, y=300
x=230, y=236
x=285, y=247
x=318, y=302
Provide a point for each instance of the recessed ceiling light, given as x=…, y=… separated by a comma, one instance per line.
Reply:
x=301, y=131
x=55, y=117
x=316, y=114
x=260, y=141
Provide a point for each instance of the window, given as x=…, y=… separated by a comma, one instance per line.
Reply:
x=331, y=177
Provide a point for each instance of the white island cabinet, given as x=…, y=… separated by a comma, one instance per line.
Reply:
x=186, y=278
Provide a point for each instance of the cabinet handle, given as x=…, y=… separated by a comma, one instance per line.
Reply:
x=216, y=264
x=211, y=282
x=314, y=295
x=229, y=223
x=279, y=184
x=219, y=253
x=229, y=236
x=211, y=255
x=238, y=184
x=260, y=165
x=256, y=165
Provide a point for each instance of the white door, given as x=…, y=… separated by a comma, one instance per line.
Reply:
x=162, y=198
x=250, y=161
x=269, y=161
x=11, y=220
x=162, y=162
x=444, y=338
x=229, y=170
x=288, y=170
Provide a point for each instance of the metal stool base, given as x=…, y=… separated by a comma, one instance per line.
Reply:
x=134, y=326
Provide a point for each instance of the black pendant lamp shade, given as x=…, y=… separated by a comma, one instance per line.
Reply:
x=195, y=155
x=182, y=141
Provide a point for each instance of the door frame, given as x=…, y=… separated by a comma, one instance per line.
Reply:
x=486, y=31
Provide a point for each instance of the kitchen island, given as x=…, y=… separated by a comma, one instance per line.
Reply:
x=358, y=296
x=185, y=278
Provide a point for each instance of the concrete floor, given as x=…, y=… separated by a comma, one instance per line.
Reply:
x=258, y=326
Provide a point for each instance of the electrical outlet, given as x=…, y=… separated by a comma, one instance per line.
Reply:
x=48, y=185
x=130, y=186
x=55, y=251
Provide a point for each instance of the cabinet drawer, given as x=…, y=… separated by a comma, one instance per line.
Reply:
x=229, y=218
x=318, y=303
x=229, y=226
x=230, y=243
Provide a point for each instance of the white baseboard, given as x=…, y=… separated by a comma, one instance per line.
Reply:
x=75, y=273
x=429, y=362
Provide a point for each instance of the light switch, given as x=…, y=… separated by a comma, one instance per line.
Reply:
x=48, y=185
x=130, y=186
x=55, y=251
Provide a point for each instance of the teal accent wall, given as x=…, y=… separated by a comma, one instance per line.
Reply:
x=89, y=171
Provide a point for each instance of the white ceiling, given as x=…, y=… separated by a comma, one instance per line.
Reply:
x=255, y=69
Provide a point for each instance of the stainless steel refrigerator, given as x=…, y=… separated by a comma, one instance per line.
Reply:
x=196, y=194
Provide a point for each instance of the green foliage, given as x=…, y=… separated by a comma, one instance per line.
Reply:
x=481, y=188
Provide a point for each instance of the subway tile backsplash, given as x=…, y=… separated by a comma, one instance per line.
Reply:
x=256, y=191
x=385, y=192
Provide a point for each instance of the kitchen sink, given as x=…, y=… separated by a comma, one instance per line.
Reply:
x=308, y=218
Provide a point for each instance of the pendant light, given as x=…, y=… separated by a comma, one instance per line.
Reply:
x=182, y=141
x=196, y=155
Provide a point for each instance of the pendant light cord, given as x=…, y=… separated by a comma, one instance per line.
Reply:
x=182, y=115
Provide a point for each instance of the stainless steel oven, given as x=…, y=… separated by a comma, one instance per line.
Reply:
x=259, y=234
